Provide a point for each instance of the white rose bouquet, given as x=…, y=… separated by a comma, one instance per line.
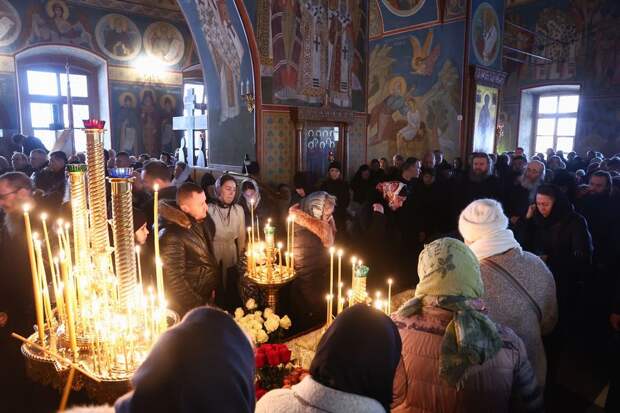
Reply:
x=261, y=326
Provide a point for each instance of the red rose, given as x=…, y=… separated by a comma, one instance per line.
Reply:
x=273, y=357
x=260, y=392
x=261, y=359
x=285, y=355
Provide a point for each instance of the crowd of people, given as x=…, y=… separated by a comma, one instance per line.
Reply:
x=492, y=316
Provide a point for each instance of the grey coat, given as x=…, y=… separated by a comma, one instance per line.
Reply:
x=510, y=307
x=310, y=396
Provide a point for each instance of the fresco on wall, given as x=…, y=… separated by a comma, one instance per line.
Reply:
x=397, y=14
x=8, y=104
x=142, y=117
x=486, y=33
x=455, y=8
x=10, y=23
x=415, y=92
x=312, y=51
x=118, y=37
x=55, y=24
x=404, y=8
x=164, y=42
x=485, y=119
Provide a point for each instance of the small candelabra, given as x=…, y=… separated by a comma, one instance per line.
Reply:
x=267, y=264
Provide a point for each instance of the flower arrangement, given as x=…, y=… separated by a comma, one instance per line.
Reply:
x=274, y=368
x=262, y=326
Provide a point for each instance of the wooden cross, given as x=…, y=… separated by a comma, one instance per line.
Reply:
x=189, y=124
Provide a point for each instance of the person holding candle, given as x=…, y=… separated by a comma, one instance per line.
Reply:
x=229, y=240
x=314, y=233
x=262, y=211
x=335, y=185
x=455, y=358
x=156, y=174
x=191, y=272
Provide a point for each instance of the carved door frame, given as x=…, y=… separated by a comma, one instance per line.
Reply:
x=322, y=117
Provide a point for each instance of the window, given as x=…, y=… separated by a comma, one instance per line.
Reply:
x=556, y=122
x=43, y=91
x=199, y=92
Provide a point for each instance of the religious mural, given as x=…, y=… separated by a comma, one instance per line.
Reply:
x=485, y=119
x=10, y=23
x=587, y=52
x=227, y=52
x=56, y=25
x=118, y=37
x=8, y=104
x=142, y=118
x=403, y=8
x=486, y=33
x=415, y=92
x=164, y=42
x=312, y=51
x=455, y=8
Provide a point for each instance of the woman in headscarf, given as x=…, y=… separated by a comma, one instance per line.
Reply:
x=251, y=191
x=519, y=288
x=229, y=238
x=560, y=236
x=190, y=369
x=314, y=234
x=455, y=359
x=348, y=374
x=335, y=185
x=182, y=172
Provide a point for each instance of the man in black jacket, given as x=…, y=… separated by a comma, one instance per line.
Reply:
x=191, y=273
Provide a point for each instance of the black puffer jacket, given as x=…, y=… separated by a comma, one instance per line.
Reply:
x=191, y=273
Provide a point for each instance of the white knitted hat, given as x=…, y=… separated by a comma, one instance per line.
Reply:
x=482, y=218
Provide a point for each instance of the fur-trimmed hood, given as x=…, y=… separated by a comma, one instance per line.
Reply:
x=171, y=213
x=325, y=230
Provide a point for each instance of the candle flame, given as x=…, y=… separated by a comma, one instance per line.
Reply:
x=137, y=249
x=279, y=245
x=340, y=253
x=35, y=236
x=26, y=208
x=155, y=187
x=390, y=281
x=353, y=259
x=43, y=216
x=332, y=250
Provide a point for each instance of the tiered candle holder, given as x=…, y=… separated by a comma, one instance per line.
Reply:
x=93, y=318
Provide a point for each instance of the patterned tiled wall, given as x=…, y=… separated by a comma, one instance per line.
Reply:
x=278, y=134
x=357, y=144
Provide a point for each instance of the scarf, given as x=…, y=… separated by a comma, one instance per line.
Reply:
x=495, y=243
x=450, y=276
x=363, y=367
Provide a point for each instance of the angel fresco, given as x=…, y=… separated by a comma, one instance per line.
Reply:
x=56, y=27
x=424, y=59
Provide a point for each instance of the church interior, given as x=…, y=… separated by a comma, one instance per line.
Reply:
x=421, y=159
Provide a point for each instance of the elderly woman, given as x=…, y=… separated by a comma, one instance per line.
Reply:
x=315, y=230
x=346, y=375
x=519, y=289
x=455, y=359
x=229, y=238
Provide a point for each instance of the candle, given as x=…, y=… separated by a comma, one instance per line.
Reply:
x=339, y=309
x=158, y=268
x=292, y=241
x=389, y=300
x=328, y=317
x=58, y=291
x=353, y=261
x=332, y=250
x=64, y=270
x=251, y=213
x=47, y=305
x=139, y=267
x=33, y=270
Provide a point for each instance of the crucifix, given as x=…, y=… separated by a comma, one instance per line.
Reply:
x=189, y=123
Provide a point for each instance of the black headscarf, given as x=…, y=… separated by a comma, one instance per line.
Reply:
x=359, y=354
x=561, y=206
x=204, y=364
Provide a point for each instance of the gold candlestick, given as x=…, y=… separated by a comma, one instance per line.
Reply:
x=122, y=230
x=79, y=214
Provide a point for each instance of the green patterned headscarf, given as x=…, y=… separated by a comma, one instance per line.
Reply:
x=450, y=276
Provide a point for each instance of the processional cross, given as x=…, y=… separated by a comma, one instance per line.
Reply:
x=189, y=123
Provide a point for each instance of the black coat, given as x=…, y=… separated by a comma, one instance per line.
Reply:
x=308, y=289
x=191, y=272
x=516, y=200
x=340, y=189
x=601, y=212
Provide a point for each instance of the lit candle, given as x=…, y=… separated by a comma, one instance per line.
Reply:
x=292, y=241
x=33, y=269
x=158, y=268
x=350, y=297
x=389, y=300
x=139, y=266
x=68, y=290
x=332, y=250
x=353, y=261
x=58, y=291
x=251, y=213
x=339, y=309
x=47, y=304
x=328, y=318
